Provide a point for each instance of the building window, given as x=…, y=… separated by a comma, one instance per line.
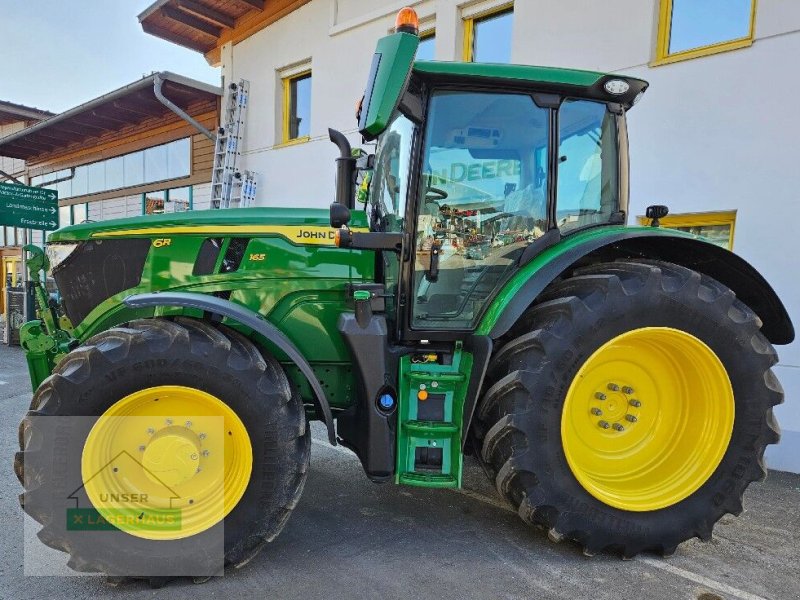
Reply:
x=487, y=35
x=427, y=45
x=151, y=165
x=167, y=201
x=297, y=107
x=692, y=28
x=716, y=227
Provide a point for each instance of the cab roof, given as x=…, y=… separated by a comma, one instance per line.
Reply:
x=591, y=84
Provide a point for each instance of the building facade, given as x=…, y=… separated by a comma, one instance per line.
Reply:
x=713, y=137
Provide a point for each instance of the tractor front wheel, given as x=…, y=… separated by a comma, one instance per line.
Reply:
x=631, y=408
x=163, y=448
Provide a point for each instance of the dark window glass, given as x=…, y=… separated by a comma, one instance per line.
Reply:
x=155, y=164
x=115, y=173
x=79, y=213
x=179, y=199
x=80, y=181
x=588, y=188
x=698, y=23
x=178, y=159
x=427, y=47
x=299, y=107
x=96, y=173
x=154, y=203
x=64, y=216
x=491, y=38
x=133, y=167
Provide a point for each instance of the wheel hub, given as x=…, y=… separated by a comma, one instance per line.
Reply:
x=647, y=419
x=167, y=450
x=172, y=457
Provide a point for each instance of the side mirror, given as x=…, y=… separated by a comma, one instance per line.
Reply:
x=340, y=215
x=656, y=212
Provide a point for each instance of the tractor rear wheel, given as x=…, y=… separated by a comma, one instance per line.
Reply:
x=183, y=424
x=631, y=407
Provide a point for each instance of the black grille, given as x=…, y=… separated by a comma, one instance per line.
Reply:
x=234, y=254
x=207, y=256
x=97, y=270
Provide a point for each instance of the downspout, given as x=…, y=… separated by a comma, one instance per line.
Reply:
x=158, y=83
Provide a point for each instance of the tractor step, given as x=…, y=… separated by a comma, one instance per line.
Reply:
x=430, y=419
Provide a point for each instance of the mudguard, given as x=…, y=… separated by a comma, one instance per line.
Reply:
x=248, y=318
x=661, y=244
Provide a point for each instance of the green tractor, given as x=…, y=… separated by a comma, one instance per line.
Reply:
x=614, y=382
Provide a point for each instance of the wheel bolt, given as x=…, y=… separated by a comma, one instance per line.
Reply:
x=187, y=424
x=597, y=412
x=604, y=424
x=634, y=403
x=613, y=387
x=600, y=396
x=150, y=431
x=141, y=448
x=627, y=390
x=168, y=421
x=202, y=436
x=631, y=418
x=205, y=453
x=618, y=427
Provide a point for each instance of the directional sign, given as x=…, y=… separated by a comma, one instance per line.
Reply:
x=29, y=207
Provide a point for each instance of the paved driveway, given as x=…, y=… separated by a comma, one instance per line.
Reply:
x=349, y=538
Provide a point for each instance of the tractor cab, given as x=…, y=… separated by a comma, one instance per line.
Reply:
x=477, y=169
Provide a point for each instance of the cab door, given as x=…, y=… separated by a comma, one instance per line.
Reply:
x=12, y=275
x=386, y=207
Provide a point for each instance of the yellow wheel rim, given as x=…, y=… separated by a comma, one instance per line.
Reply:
x=647, y=419
x=166, y=462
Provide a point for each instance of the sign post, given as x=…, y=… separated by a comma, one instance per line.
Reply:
x=28, y=208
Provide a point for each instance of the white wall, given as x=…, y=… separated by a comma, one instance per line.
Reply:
x=712, y=133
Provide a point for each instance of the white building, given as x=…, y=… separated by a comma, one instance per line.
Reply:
x=714, y=137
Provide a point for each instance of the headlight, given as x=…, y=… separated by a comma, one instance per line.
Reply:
x=58, y=253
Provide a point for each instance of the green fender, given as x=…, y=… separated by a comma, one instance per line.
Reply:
x=637, y=242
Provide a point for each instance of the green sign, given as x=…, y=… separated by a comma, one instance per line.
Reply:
x=28, y=207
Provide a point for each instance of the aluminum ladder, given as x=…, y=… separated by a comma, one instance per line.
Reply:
x=226, y=182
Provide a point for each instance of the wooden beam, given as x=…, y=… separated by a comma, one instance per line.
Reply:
x=257, y=4
x=38, y=145
x=206, y=13
x=183, y=18
x=136, y=110
x=168, y=35
x=95, y=126
x=60, y=135
x=103, y=116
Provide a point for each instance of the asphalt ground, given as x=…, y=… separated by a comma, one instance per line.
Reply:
x=349, y=538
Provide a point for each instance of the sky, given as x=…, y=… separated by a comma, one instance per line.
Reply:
x=57, y=54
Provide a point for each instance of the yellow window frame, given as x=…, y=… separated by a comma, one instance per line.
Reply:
x=663, y=56
x=703, y=219
x=287, y=107
x=468, y=52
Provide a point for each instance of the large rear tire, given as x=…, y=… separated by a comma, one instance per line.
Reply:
x=150, y=370
x=630, y=408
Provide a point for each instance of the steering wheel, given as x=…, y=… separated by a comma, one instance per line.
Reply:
x=433, y=194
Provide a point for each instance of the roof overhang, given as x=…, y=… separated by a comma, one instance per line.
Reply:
x=126, y=107
x=14, y=113
x=205, y=25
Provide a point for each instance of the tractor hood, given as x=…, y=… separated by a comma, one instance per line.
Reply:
x=287, y=222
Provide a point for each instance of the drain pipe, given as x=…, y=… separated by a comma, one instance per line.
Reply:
x=158, y=83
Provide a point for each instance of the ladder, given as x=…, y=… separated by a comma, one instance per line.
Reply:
x=430, y=419
x=226, y=182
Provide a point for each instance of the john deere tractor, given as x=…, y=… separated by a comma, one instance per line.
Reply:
x=487, y=299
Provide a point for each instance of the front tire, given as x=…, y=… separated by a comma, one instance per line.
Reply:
x=631, y=407
x=153, y=371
